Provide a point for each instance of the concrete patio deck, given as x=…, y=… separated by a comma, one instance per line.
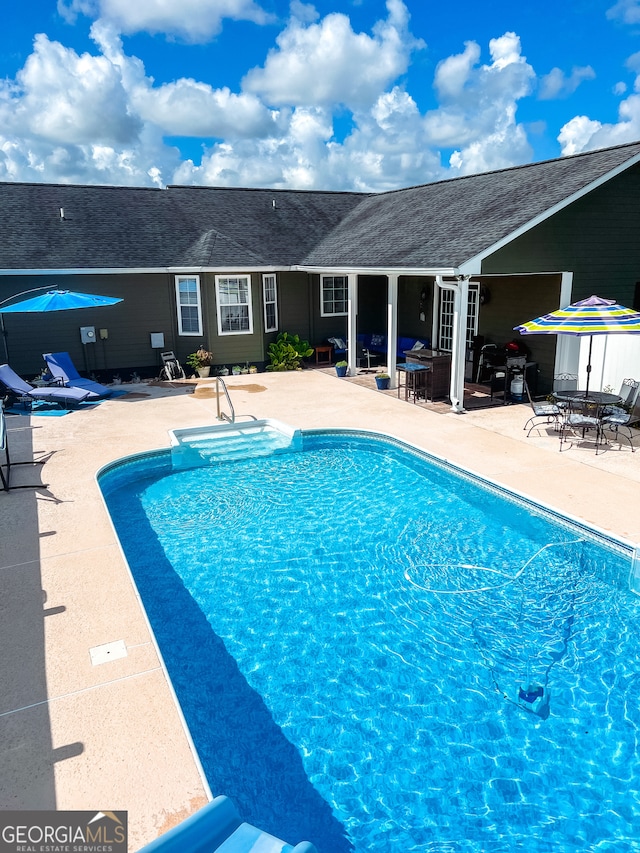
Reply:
x=74, y=735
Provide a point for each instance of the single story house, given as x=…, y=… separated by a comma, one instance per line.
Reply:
x=456, y=262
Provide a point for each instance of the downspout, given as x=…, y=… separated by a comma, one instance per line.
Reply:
x=460, y=290
x=352, y=322
x=392, y=328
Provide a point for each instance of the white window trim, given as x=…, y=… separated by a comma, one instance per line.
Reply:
x=270, y=302
x=324, y=313
x=181, y=331
x=249, y=304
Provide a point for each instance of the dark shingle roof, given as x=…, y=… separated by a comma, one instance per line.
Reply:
x=447, y=223
x=135, y=228
x=278, y=227
x=103, y=227
x=436, y=225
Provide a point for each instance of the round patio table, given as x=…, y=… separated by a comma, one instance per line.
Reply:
x=602, y=398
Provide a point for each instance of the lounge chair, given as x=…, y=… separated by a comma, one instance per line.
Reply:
x=63, y=369
x=16, y=388
x=217, y=827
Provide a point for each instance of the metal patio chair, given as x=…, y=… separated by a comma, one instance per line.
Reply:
x=549, y=412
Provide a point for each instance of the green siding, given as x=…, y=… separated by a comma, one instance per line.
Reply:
x=148, y=306
x=597, y=238
x=409, y=306
x=514, y=300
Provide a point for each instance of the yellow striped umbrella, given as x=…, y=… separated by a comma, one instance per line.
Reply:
x=592, y=316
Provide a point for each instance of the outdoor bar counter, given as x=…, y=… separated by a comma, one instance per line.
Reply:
x=438, y=364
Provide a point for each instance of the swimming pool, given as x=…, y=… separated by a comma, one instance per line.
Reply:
x=358, y=637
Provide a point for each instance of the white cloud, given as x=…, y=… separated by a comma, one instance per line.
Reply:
x=633, y=63
x=477, y=115
x=189, y=108
x=582, y=133
x=627, y=11
x=556, y=84
x=195, y=21
x=69, y=98
x=327, y=63
x=101, y=118
x=575, y=135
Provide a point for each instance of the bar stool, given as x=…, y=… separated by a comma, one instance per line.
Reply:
x=415, y=380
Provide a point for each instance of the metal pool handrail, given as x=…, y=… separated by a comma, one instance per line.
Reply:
x=223, y=416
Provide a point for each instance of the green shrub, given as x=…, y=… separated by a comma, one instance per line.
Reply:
x=287, y=352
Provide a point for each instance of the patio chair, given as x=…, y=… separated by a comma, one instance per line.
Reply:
x=564, y=382
x=623, y=420
x=16, y=389
x=545, y=410
x=628, y=395
x=582, y=416
x=63, y=369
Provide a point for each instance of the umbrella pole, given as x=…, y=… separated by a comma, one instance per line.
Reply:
x=5, y=335
x=589, y=365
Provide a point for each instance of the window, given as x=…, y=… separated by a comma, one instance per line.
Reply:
x=270, y=300
x=235, y=316
x=334, y=292
x=445, y=337
x=188, y=304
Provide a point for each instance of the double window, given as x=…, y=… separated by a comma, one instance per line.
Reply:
x=235, y=315
x=189, y=305
x=334, y=295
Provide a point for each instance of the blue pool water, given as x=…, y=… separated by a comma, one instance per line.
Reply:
x=377, y=654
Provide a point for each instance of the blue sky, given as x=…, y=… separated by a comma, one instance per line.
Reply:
x=336, y=94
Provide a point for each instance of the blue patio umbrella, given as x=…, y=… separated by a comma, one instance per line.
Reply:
x=57, y=300
x=52, y=300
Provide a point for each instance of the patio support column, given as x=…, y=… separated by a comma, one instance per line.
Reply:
x=460, y=290
x=392, y=328
x=352, y=322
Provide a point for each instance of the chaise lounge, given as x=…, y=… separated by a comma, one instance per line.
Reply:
x=63, y=369
x=218, y=827
x=15, y=388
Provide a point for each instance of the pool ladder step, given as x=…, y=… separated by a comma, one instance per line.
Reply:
x=205, y=446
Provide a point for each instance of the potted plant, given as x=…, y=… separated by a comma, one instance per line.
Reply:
x=382, y=381
x=253, y=368
x=200, y=361
x=236, y=370
x=341, y=368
